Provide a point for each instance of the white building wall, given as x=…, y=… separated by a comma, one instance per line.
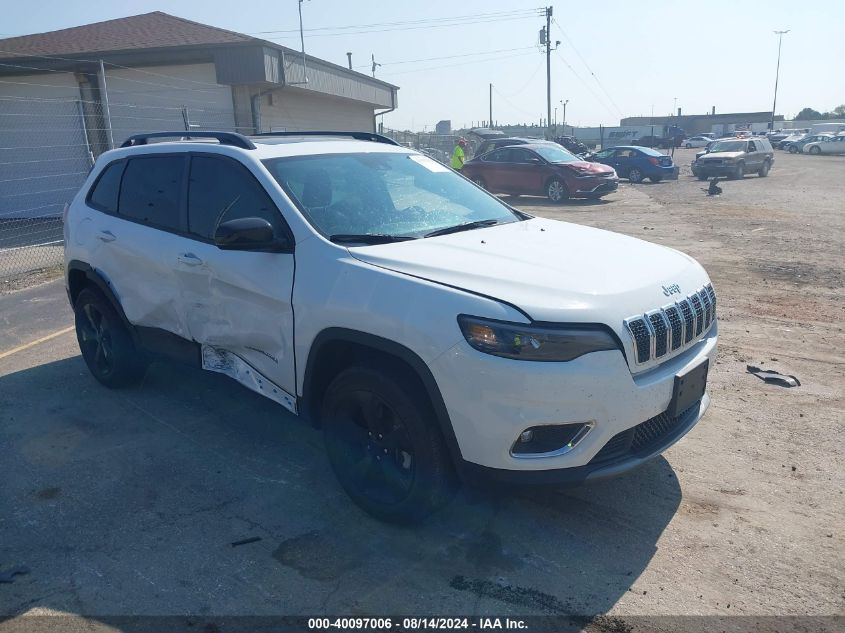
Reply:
x=151, y=99
x=296, y=110
x=43, y=150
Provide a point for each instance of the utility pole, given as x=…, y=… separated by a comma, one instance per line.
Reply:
x=375, y=65
x=548, y=63
x=780, y=35
x=490, y=122
x=349, y=58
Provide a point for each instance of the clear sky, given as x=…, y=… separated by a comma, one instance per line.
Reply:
x=709, y=53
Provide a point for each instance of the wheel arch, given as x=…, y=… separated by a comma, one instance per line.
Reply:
x=334, y=349
x=81, y=275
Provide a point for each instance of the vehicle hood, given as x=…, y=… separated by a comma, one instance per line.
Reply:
x=552, y=271
x=586, y=167
x=722, y=155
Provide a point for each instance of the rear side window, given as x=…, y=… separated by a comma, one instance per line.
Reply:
x=105, y=192
x=151, y=189
x=220, y=190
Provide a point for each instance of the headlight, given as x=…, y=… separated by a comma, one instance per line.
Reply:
x=534, y=342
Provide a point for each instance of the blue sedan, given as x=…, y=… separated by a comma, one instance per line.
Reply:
x=638, y=163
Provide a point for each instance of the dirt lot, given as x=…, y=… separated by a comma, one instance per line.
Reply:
x=128, y=502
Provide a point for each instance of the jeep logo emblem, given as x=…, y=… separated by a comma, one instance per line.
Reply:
x=674, y=289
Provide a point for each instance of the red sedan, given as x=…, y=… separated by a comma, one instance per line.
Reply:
x=540, y=169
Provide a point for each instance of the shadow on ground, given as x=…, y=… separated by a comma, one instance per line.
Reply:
x=129, y=502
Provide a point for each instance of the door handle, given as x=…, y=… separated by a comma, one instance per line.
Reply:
x=106, y=236
x=189, y=259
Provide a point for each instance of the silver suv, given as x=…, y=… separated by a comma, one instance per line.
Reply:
x=735, y=157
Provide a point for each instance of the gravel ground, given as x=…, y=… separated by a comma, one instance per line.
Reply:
x=127, y=502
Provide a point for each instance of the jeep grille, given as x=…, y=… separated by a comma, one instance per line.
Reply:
x=669, y=329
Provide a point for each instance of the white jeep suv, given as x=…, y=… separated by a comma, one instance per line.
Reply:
x=433, y=332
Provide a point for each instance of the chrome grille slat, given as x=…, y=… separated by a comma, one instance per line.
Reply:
x=664, y=331
x=699, y=313
x=676, y=326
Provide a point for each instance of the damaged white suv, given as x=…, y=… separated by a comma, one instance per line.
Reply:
x=433, y=332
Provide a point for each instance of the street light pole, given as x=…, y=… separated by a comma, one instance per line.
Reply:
x=564, y=114
x=780, y=35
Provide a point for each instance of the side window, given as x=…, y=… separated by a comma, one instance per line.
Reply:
x=107, y=188
x=220, y=190
x=498, y=156
x=751, y=146
x=519, y=156
x=150, y=190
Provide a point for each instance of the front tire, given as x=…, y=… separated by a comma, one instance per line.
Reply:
x=655, y=179
x=635, y=175
x=384, y=446
x=106, y=345
x=556, y=191
x=688, y=146
x=793, y=149
x=738, y=172
x=815, y=151
x=764, y=170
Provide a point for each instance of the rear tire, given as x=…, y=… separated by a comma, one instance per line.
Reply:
x=635, y=175
x=793, y=149
x=688, y=146
x=384, y=445
x=556, y=191
x=106, y=345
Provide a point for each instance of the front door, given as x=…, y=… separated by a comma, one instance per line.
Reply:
x=237, y=303
x=525, y=171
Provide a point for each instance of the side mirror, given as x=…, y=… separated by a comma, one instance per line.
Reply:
x=248, y=234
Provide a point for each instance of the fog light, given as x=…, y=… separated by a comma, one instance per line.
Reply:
x=549, y=440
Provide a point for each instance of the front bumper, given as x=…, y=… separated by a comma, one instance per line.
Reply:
x=595, y=186
x=720, y=169
x=491, y=400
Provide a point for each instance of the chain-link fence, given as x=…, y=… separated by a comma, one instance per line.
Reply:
x=438, y=146
x=47, y=148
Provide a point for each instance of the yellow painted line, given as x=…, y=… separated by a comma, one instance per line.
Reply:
x=38, y=341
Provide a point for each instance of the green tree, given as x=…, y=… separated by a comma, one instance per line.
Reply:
x=808, y=114
x=839, y=112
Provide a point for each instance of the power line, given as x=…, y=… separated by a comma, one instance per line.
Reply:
x=471, y=17
x=475, y=61
x=585, y=84
x=513, y=105
x=409, y=28
x=587, y=66
x=429, y=59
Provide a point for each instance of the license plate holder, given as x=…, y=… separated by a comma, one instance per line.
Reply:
x=689, y=388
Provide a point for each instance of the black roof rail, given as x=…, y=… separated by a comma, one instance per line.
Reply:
x=224, y=138
x=358, y=136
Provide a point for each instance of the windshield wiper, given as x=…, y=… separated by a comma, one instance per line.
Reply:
x=368, y=238
x=468, y=226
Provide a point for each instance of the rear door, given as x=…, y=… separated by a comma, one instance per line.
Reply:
x=136, y=236
x=237, y=301
x=624, y=160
